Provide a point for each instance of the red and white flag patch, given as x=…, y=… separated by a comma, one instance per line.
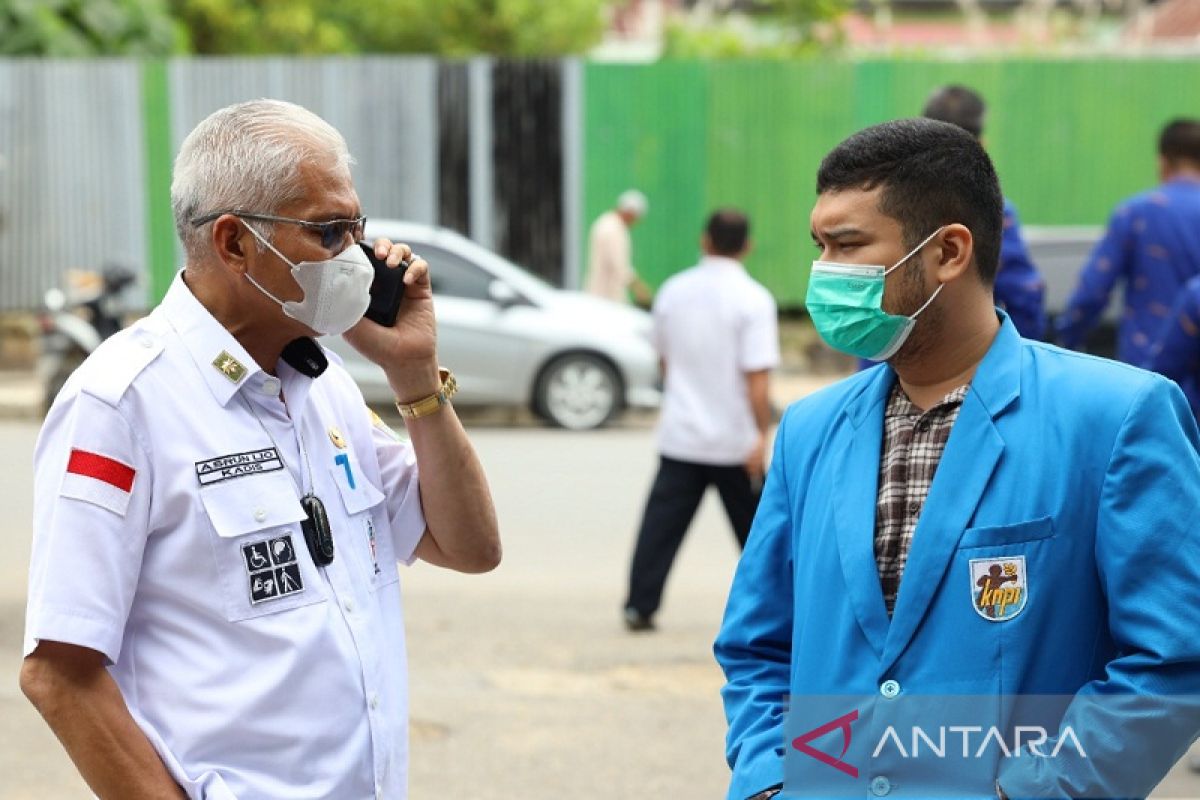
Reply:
x=98, y=479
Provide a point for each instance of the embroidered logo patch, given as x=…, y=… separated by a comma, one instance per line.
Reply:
x=272, y=569
x=222, y=468
x=999, y=587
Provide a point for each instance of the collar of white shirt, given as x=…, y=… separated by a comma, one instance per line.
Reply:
x=720, y=262
x=209, y=343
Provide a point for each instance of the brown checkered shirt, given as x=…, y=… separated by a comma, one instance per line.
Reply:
x=913, y=443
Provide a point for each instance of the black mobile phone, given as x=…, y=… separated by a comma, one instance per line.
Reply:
x=387, y=289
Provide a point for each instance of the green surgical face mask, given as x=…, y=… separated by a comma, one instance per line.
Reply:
x=845, y=302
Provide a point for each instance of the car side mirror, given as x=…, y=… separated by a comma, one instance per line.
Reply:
x=504, y=295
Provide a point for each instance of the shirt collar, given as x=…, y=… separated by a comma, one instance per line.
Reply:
x=222, y=361
x=724, y=262
x=899, y=404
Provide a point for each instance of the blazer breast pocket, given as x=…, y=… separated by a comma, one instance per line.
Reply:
x=1000, y=535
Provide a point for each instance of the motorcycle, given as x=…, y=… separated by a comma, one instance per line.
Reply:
x=74, y=322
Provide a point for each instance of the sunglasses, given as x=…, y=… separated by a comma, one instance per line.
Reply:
x=332, y=232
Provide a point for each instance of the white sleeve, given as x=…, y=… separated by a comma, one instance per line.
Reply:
x=399, y=475
x=759, y=345
x=92, y=488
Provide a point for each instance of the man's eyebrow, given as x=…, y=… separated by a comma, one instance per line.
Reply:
x=839, y=233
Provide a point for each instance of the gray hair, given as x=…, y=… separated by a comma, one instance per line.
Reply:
x=245, y=156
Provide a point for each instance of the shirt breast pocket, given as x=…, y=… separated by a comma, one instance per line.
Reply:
x=368, y=535
x=262, y=562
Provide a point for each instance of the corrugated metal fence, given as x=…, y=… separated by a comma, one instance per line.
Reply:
x=87, y=148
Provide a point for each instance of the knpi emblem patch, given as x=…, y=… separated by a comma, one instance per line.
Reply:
x=272, y=569
x=999, y=587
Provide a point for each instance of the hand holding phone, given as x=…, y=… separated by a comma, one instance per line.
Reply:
x=387, y=289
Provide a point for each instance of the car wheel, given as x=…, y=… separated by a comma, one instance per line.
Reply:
x=578, y=392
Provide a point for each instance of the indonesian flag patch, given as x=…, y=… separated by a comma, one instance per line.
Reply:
x=98, y=479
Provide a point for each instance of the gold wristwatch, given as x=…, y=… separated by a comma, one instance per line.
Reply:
x=434, y=402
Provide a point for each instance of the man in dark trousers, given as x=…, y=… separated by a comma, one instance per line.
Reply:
x=716, y=331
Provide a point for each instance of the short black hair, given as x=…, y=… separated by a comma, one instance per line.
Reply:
x=958, y=105
x=932, y=173
x=1180, y=141
x=728, y=229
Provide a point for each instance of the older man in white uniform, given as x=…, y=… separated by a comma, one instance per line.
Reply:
x=214, y=609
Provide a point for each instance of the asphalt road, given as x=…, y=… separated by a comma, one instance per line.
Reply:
x=524, y=684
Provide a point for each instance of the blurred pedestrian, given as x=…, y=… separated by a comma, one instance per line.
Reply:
x=1176, y=352
x=716, y=331
x=1152, y=245
x=1019, y=288
x=983, y=516
x=610, y=252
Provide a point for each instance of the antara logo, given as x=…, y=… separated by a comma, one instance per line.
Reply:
x=1033, y=740
x=801, y=743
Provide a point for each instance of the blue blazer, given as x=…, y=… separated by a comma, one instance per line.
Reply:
x=1084, y=469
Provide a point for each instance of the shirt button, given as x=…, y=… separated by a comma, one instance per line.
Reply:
x=923, y=426
x=147, y=342
x=889, y=689
x=348, y=605
x=880, y=786
x=374, y=702
x=260, y=515
x=378, y=793
x=914, y=507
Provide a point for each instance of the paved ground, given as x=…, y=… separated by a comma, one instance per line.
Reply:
x=524, y=685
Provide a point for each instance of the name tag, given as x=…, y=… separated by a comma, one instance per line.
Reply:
x=223, y=468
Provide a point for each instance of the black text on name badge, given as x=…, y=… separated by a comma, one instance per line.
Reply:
x=222, y=468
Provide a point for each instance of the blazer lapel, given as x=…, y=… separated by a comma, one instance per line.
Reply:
x=966, y=467
x=853, y=502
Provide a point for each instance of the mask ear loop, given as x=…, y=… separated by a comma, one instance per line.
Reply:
x=270, y=247
x=911, y=253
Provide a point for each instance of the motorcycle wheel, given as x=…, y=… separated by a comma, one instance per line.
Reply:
x=70, y=362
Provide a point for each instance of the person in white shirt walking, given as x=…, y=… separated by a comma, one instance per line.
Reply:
x=610, y=262
x=716, y=332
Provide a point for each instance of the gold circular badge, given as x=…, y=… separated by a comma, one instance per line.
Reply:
x=335, y=436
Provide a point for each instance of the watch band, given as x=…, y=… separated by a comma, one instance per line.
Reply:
x=766, y=794
x=434, y=402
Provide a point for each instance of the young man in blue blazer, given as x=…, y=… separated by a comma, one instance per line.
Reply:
x=983, y=516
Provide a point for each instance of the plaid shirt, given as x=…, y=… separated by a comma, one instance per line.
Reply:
x=913, y=443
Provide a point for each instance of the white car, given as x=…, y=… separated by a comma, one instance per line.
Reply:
x=513, y=339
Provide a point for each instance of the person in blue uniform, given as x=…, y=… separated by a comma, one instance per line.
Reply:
x=984, y=515
x=1019, y=287
x=1152, y=246
x=1176, y=353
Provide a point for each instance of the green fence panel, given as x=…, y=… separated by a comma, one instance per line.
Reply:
x=645, y=129
x=769, y=124
x=1070, y=139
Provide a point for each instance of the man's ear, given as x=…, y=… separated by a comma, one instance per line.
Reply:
x=229, y=238
x=955, y=250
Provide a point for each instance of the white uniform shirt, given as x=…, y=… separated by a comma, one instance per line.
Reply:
x=167, y=537
x=610, y=270
x=713, y=323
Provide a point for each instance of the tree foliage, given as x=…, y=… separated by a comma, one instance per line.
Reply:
x=770, y=29
x=522, y=28
x=74, y=28
x=440, y=27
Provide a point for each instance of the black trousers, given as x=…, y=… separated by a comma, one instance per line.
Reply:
x=676, y=494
